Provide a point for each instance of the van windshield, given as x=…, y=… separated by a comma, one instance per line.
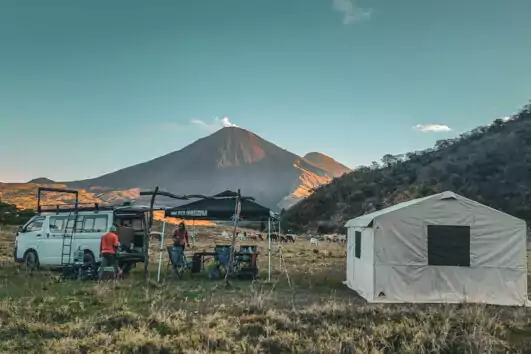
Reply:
x=34, y=224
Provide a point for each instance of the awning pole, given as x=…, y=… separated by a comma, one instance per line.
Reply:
x=161, y=248
x=269, y=246
x=193, y=233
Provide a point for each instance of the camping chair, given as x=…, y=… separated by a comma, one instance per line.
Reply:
x=178, y=260
x=223, y=256
x=214, y=268
x=247, y=262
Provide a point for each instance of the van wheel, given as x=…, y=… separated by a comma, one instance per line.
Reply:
x=31, y=260
x=89, y=260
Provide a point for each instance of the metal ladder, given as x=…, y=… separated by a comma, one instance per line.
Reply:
x=68, y=238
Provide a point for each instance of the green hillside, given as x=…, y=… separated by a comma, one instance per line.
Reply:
x=490, y=164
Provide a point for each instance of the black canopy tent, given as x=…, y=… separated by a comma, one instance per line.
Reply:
x=219, y=207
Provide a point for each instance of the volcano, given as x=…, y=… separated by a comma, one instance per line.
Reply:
x=231, y=158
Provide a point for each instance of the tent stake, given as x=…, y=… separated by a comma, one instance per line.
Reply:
x=161, y=248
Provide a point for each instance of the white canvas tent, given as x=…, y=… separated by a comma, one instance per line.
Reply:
x=444, y=248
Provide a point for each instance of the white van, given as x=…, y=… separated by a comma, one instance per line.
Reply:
x=52, y=236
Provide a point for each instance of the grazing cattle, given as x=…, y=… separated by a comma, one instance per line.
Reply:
x=330, y=238
x=252, y=236
x=290, y=238
x=342, y=238
x=314, y=241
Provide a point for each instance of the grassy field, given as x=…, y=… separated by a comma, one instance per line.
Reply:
x=317, y=314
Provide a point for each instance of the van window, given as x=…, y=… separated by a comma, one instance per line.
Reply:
x=70, y=222
x=94, y=223
x=34, y=225
x=57, y=224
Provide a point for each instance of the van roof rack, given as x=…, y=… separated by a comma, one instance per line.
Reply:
x=71, y=208
x=76, y=206
x=40, y=190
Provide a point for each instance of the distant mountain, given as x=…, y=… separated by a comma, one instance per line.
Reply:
x=490, y=164
x=23, y=195
x=231, y=158
x=42, y=180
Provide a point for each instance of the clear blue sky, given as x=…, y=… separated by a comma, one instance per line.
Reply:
x=88, y=87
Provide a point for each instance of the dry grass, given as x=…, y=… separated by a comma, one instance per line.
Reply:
x=317, y=315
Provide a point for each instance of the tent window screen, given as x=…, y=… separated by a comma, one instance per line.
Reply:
x=449, y=245
x=357, y=249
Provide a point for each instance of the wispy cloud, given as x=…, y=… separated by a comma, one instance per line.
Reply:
x=214, y=125
x=352, y=13
x=432, y=128
x=227, y=123
x=210, y=126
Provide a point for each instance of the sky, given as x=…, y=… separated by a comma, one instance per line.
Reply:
x=89, y=87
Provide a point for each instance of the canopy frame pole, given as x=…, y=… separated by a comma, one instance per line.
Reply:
x=148, y=236
x=161, y=248
x=269, y=249
x=279, y=242
x=237, y=209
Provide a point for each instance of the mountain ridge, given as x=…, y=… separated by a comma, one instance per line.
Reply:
x=231, y=158
x=327, y=163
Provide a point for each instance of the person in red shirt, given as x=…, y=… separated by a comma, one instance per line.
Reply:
x=180, y=236
x=108, y=248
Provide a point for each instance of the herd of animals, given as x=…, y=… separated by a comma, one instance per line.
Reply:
x=328, y=238
x=276, y=237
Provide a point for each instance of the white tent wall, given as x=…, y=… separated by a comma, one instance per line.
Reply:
x=360, y=271
x=498, y=266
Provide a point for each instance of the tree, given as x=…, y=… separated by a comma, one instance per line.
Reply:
x=11, y=215
x=443, y=143
x=389, y=160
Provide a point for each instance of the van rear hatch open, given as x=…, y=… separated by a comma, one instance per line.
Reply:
x=131, y=226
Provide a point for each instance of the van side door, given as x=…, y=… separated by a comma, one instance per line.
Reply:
x=72, y=230
x=54, y=239
x=90, y=234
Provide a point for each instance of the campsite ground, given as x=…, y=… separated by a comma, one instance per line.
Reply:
x=317, y=314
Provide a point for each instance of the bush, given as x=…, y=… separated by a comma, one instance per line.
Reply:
x=11, y=215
